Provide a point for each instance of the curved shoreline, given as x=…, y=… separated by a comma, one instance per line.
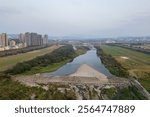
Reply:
x=85, y=74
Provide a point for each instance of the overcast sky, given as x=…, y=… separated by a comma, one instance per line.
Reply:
x=98, y=18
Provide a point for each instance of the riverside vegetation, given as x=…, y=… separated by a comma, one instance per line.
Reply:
x=116, y=68
x=111, y=64
x=14, y=90
x=46, y=63
x=7, y=62
x=11, y=89
x=137, y=64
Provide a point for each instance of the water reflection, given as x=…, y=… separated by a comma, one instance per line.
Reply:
x=89, y=58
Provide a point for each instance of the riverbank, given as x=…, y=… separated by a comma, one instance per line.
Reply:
x=85, y=74
x=45, y=63
x=111, y=64
x=54, y=66
x=137, y=64
x=85, y=83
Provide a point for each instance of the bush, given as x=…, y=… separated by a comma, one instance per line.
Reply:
x=19, y=68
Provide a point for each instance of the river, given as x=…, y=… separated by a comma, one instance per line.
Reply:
x=89, y=58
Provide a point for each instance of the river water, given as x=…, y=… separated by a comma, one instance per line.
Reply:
x=89, y=58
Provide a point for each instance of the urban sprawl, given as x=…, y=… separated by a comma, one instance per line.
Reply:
x=23, y=40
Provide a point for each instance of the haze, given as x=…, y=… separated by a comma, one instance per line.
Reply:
x=96, y=18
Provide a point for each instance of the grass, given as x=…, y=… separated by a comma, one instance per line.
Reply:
x=54, y=66
x=10, y=61
x=137, y=64
x=12, y=90
x=134, y=55
x=112, y=64
x=49, y=68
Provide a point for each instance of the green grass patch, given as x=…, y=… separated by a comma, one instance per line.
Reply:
x=53, y=66
x=9, y=61
x=49, y=68
x=138, y=63
x=61, y=54
x=136, y=60
x=112, y=64
x=119, y=51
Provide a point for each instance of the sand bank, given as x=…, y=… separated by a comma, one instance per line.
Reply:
x=84, y=74
x=87, y=71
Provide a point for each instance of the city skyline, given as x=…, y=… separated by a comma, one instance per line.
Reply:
x=22, y=40
x=86, y=18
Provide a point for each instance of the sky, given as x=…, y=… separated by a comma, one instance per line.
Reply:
x=89, y=18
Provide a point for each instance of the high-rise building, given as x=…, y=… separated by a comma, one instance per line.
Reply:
x=22, y=38
x=45, y=39
x=3, y=40
x=40, y=40
x=33, y=39
x=27, y=39
x=36, y=39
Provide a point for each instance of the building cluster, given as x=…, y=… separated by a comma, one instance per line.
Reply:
x=33, y=39
x=23, y=40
